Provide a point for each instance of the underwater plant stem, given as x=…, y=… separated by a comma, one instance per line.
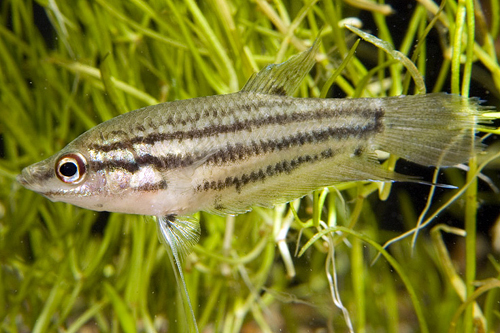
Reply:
x=471, y=193
x=470, y=240
x=457, y=48
x=469, y=51
x=358, y=282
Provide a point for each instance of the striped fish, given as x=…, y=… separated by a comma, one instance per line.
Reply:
x=224, y=154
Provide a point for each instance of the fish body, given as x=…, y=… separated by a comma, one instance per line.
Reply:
x=225, y=154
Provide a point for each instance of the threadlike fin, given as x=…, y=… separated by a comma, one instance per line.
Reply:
x=283, y=79
x=179, y=235
x=433, y=129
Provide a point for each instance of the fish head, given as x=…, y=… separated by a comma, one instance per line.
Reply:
x=68, y=177
x=86, y=176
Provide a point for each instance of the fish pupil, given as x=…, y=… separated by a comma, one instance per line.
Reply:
x=68, y=169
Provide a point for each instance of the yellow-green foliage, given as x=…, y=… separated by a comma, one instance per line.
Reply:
x=66, y=269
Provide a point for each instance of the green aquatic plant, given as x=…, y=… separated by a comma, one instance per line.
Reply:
x=67, y=66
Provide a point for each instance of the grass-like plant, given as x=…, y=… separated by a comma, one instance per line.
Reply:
x=66, y=66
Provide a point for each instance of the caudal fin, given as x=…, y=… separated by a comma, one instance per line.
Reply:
x=434, y=129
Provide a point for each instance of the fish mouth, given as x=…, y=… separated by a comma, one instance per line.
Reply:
x=25, y=178
x=34, y=176
x=29, y=180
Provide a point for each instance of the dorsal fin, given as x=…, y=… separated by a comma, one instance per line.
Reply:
x=284, y=78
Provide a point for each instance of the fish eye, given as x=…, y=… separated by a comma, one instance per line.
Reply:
x=70, y=168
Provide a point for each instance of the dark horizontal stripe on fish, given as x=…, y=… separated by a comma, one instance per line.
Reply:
x=130, y=165
x=233, y=153
x=44, y=175
x=209, y=110
x=169, y=161
x=284, y=166
x=151, y=187
x=248, y=125
x=237, y=152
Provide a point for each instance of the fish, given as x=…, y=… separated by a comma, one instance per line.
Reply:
x=260, y=146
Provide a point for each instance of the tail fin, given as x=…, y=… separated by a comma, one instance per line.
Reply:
x=434, y=129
